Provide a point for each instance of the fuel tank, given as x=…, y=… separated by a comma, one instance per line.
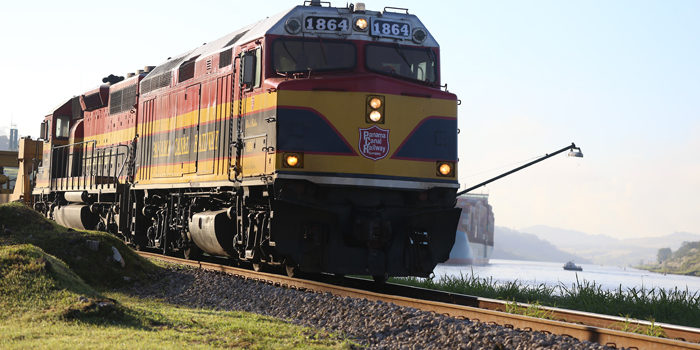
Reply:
x=77, y=216
x=212, y=231
x=76, y=197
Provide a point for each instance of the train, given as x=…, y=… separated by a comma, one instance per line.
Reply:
x=318, y=140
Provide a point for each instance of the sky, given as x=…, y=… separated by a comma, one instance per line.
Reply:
x=620, y=78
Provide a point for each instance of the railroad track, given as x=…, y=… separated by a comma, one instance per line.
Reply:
x=597, y=328
x=670, y=331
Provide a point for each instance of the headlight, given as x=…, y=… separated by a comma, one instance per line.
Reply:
x=293, y=160
x=419, y=35
x=293, y=26
x=375, y=109
x=375, y=116
x=375, y=102
x=361, y=24
x=445, y=168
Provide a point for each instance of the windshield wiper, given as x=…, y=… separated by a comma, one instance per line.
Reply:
x=284, y=45
x=323, y=51
x=402, y=55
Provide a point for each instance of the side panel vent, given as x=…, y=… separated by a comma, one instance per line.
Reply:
x=76, y=109
x=225, y=58
x=93, y=102
x=156, y=82
x=122, y=100
x=186, y=70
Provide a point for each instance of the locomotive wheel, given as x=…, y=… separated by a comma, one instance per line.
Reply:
x=380, y=280
x=291, y=270
x=192, y=252
x=140, y=243
x=257, y=267
x=338, y=278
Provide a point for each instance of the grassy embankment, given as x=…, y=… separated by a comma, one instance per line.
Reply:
x=55, y=292
x=675, y=306
x=684, y=261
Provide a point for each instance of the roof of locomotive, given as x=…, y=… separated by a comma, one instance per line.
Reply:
x=275, y=25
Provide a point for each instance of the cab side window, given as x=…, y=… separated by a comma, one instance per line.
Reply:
x=62, y=127
x=251, y=72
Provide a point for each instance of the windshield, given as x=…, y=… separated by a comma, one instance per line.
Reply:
x=294, y=55
x=405, y=62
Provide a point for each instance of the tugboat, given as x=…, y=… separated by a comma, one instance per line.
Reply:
x=572, y=267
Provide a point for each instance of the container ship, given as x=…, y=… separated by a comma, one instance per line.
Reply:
x=474, y=236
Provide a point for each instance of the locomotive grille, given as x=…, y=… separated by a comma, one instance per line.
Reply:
x=93, y=101
x=122, y=100
x=186, y=70
x=76, y=108
x=225, y=58
x=171, y=64
x=156, y=82
x=146, y=86
x=115, y=100
x=165, y=79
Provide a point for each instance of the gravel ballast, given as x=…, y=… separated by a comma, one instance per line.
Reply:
x=375, y=324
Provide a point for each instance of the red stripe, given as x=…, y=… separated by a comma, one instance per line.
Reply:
x=366, y=82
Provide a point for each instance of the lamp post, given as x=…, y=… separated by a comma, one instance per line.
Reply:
x=573, y=152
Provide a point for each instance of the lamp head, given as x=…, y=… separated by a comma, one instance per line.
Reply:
x=575, y=152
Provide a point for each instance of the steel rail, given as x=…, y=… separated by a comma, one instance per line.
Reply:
x=671, y=331
x=605, y=336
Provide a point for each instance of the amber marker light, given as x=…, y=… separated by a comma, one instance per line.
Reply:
x=375, y=102
x=293, y=160
x=445, y=169
x=361, y=24
x=375, y=109
x=375, y=116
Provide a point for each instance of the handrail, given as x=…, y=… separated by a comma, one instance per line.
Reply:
x=94, y=163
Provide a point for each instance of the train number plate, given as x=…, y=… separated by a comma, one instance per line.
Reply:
x=326, y=24
x=390, y=29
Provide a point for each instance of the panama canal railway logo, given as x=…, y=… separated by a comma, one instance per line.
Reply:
x=374, y=142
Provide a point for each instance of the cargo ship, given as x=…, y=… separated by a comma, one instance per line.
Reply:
x=474, y=236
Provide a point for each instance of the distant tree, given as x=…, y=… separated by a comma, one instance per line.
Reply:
x=663, y=255
x=687, y=248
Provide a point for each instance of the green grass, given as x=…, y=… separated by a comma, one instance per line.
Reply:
x=652, y=329
x=532, y=310
x=26, y=226
x=33, y=280
x=656, y=305
x=45, y=303
x=155, y=325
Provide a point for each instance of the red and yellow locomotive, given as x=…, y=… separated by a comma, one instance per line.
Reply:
x=318, y=139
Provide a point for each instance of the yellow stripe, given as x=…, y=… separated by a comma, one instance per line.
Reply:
x=204, y=115
x=346, y=110
x=166, y=174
